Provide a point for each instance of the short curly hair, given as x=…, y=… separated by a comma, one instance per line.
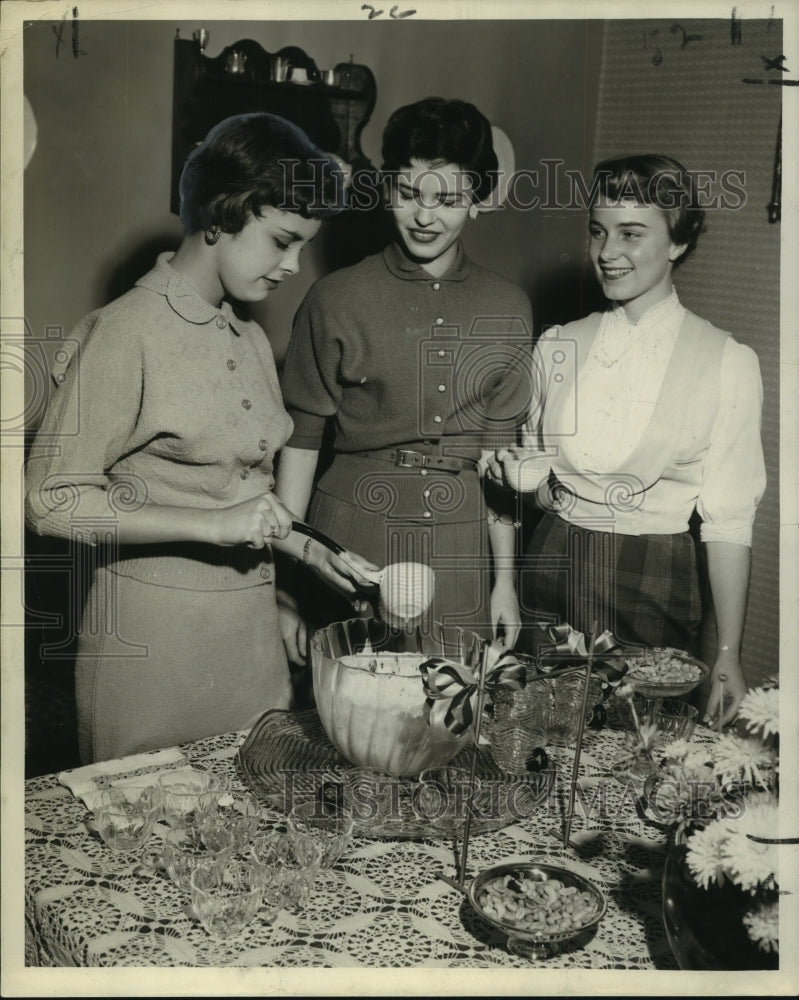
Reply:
x=251, y=161
x=438, y=130
x=659, y=180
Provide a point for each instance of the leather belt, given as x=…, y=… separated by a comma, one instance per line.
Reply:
x=405, y=458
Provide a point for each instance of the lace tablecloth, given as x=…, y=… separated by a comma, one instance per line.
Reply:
x=382, y=905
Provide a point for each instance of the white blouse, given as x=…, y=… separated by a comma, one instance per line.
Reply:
x=612, y=402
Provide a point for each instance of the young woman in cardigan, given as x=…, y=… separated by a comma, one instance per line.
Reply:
x=158, y=447
x=656, y=415
x=419, y=359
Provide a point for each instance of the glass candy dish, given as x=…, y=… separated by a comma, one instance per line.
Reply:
x=663, y=672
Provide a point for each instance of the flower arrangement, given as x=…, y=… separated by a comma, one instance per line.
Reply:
x=723, y=799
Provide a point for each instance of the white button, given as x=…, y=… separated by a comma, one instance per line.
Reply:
x=221, y=322
x=427, y=514
x=425, y=493
x=436, y=419
x=423, y=472
x=439, y=320
x=436, y=286
x=441, y=353
x=442, y=388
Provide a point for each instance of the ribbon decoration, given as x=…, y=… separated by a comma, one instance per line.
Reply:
x=452, y=688
x=567, y=644
x=568, y=647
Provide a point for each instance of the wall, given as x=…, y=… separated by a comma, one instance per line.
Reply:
x=691, y=102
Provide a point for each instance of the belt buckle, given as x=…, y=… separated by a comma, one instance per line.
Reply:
x=409, y=463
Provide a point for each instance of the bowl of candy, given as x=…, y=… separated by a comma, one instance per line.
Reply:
x=371, y=699
x=538, y=906
x=663, y=672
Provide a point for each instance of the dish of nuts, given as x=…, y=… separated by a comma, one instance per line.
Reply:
x=525, y=902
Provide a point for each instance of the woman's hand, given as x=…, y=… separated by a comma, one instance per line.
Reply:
x=727, y=684
x=292, y=627
x=253, y=522
x=347, y=572
x=519, y=469
x=505, y=617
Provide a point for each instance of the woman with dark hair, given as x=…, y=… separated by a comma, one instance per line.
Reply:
x=166, y=420
x=642, y=415
x=419, y=358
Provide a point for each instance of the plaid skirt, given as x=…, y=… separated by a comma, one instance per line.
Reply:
x=644, y=588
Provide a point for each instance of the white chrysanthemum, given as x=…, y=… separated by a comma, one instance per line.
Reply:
x=763, y=926
x=748, y=862
x=739, y=757
x=761, y=710
x=678, y=750
x=704, y=857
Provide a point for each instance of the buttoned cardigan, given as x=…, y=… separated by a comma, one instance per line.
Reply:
x=161, y=398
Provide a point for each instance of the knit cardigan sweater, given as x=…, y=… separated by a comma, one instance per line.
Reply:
x=161, y=398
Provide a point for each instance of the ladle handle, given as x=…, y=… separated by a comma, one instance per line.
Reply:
x=318, y=536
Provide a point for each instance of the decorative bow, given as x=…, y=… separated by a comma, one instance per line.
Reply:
x=452, y=688
x=568, y=645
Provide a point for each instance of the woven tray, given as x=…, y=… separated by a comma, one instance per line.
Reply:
x=288, y=757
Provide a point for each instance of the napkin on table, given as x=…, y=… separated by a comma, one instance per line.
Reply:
x=86, y=782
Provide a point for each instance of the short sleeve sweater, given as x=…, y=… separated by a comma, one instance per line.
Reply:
x=397, y=356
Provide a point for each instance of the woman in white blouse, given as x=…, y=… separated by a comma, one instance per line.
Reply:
x=642, y=414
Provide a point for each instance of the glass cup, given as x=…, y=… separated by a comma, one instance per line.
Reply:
x=445, y=797
x=288, y=868
x=125, y=817
x=638, y=707
x=225, y=896
x=184, y=850
x=188, y=798
x=239, y=812
x=545, y=713
x=330, y=829
x=674, y=720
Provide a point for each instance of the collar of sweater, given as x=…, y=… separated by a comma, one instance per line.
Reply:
x=401, y=265
x=164, y=280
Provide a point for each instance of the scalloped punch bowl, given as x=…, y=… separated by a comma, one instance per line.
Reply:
x=371, y=700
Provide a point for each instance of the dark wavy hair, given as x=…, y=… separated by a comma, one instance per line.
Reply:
x=438, y=130
x=251, y=161
x=655, y=179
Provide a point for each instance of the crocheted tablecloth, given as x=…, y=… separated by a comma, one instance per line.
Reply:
x=381, y=905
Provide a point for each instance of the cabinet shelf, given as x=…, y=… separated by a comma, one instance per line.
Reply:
x=240, y=80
